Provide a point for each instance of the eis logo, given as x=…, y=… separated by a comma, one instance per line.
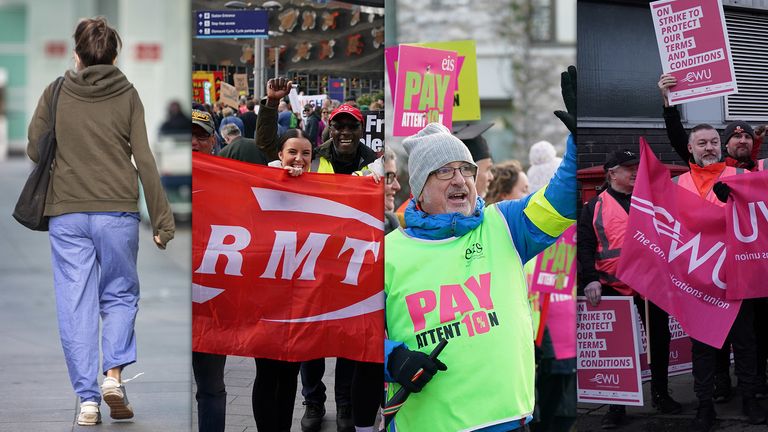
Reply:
x=474, y=251
x=602, y=378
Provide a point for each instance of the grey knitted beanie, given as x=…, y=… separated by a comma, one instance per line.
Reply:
x=428, y=150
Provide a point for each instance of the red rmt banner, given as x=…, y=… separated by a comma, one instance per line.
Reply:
x=287, y=268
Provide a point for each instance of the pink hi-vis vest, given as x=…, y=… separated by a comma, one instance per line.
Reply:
x=610, y=223
x=686, y=181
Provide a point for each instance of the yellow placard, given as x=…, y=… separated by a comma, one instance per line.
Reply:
x=466, y=99
x=204, y=87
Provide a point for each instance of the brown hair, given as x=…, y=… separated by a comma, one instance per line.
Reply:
x=96, y=42
x=505, y=177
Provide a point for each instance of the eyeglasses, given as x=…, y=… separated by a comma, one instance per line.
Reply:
x=349, y=126
x=201, y=136
x=390, y=177
x=447, y=173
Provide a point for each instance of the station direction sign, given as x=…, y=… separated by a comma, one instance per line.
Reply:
x=213, y=24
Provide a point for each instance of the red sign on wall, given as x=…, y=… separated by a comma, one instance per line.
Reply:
x=56, y=49
x=148, y=51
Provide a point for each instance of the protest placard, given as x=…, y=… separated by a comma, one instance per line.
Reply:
x=561, y=322
x=314, y=100
x=426, y=81
x=241, y=84
x=607, y=362
x=694, y=47
x=373, y=135
x=204, y=87
x=555, y=271
x=466, y=98
x=228, y=95
x=680, y=357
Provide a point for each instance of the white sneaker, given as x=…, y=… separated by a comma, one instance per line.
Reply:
x=114, y=395
x=89, y=414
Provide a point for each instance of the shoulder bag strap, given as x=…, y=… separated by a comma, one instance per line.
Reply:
x=52, y=106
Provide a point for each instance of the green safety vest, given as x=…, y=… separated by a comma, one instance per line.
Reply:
x=430, y=290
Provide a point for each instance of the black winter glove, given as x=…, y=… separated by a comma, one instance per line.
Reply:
x=568, y=88
x=404, y=364
x=722, y=191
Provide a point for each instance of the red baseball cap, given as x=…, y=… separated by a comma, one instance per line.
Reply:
x=347, y=109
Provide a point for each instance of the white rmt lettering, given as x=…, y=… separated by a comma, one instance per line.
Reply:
x=284, y=250
x=216, y=248
x=359, y=249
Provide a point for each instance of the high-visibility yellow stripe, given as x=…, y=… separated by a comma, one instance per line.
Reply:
x=325, y=166
x=541, y=212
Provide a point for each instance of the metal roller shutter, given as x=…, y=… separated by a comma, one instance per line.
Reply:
x=748, y=33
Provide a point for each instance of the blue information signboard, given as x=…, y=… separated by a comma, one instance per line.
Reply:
x=231, y=24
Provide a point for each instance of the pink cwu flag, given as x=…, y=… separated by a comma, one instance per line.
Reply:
x=673, y=253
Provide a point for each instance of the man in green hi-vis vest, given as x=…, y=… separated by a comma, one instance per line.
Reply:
x=456, y=273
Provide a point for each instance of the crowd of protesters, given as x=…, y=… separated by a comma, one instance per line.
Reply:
x=710, y=156
x=285, y=140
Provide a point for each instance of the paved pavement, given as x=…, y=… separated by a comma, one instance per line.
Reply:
x=36, y=392
x=647, y=419
x=239, y=375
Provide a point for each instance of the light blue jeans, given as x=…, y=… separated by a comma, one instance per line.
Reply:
x=94, y=273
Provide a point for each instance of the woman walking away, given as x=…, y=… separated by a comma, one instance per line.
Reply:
x=94, y=219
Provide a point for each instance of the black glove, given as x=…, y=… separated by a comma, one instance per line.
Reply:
x=568, y=88
x=403, y=364
x=722, y=191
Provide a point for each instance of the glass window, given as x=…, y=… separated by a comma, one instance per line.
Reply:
x=618, y=62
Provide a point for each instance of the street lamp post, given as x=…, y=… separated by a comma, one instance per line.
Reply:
x=277, y=61
x=258, y=68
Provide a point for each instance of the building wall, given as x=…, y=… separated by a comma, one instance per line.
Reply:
x=596, y=143
x=47, y=22
x=519, y=82
x=619, y=75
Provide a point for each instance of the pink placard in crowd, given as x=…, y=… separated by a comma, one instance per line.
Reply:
x=680, y=358
x=561, y=321
x=555, y=270
x=426, y=81
x=607, y=363
x=694, y=47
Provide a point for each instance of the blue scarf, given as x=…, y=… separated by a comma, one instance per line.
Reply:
x=441, y=226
